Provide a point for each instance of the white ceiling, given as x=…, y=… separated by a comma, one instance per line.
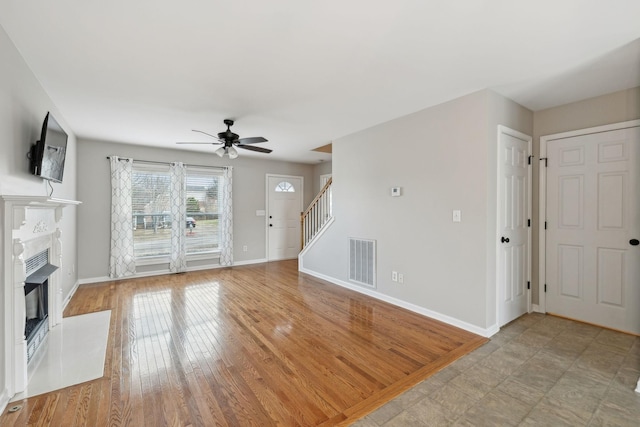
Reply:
x=302, y=73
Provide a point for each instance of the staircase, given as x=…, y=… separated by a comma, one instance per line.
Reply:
x=317, y=214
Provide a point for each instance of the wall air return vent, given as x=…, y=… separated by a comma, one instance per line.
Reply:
x=362, y=261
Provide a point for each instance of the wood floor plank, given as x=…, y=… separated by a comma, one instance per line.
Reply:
x=258, y=345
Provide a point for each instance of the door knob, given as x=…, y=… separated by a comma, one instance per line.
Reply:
x=270, y=225
x=634, y=242
x=504, y=239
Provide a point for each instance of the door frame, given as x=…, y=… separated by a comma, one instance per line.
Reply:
x=267, y=193
x=514, y=133
x=324, y=177
x=542, y=197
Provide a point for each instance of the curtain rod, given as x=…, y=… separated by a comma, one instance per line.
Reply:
x=167, y=163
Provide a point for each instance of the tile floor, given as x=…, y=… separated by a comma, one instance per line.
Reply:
x=538, y=370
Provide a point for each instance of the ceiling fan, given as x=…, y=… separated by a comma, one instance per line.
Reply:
x=230, y=141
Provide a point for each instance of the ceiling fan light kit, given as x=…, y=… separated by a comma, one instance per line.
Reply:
x=230, y=141
x=230, y=152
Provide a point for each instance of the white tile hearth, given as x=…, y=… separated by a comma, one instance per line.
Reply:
x=74, y=353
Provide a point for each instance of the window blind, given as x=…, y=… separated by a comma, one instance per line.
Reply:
x=152, y=210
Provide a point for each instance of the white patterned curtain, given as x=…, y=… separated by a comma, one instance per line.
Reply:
x=121, y=259
x=178, y=191
x=226, y=218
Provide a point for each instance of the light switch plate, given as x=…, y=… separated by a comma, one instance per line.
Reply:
x=396, y=191
x=457, y=216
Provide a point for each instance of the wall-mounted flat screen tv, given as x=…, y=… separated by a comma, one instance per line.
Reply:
x=48, y=154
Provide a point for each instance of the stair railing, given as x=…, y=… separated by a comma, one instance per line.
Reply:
x=317, y=214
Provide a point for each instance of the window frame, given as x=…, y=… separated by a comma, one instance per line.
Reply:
x=162, y=169
x=197, y=256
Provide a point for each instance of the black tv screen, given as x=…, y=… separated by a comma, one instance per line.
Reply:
x=48, y=154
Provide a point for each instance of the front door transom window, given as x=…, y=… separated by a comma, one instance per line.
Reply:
x=285, y=187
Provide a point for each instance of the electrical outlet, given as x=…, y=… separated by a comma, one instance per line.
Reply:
x=244, y=248
x=394, y=276
x=400, y=278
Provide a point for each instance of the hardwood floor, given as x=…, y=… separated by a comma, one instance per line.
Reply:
x=259, y=345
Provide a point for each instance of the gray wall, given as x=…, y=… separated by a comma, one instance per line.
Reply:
x=323, y=168
x=23, y=106
x=406, y=229
x=444, y=158
x=615, y=107
x=94, y=189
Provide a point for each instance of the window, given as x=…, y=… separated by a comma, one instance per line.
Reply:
x=203, y=231
x=285, y=187
x=151, y=210
x=152, y=219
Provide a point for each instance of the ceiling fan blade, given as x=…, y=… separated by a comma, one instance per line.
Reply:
x=252, y=148
x=208, y=134
x=208, y=143
x=252, y=140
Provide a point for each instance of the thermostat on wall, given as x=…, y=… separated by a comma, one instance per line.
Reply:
x=396, y=191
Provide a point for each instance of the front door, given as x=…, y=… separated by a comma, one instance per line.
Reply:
x=593, y=223
x=284, y=208
x=514, y=215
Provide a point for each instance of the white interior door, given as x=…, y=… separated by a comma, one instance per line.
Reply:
x=284, y=207
x=514, y=214
x=592, y=265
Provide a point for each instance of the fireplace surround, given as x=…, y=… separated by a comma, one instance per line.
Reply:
x=31, y=225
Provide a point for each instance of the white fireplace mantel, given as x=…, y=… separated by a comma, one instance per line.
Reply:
x=30, y=224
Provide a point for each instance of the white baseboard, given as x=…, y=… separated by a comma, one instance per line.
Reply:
x=4, y=400
x=536, y=308
x=91, y=280
x=250, y=261
x=412, y=307
x=491, y=331
x=101, y=279
x=68, y=298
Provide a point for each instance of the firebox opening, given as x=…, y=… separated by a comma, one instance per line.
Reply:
x=37, y=301
x=36, y=294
